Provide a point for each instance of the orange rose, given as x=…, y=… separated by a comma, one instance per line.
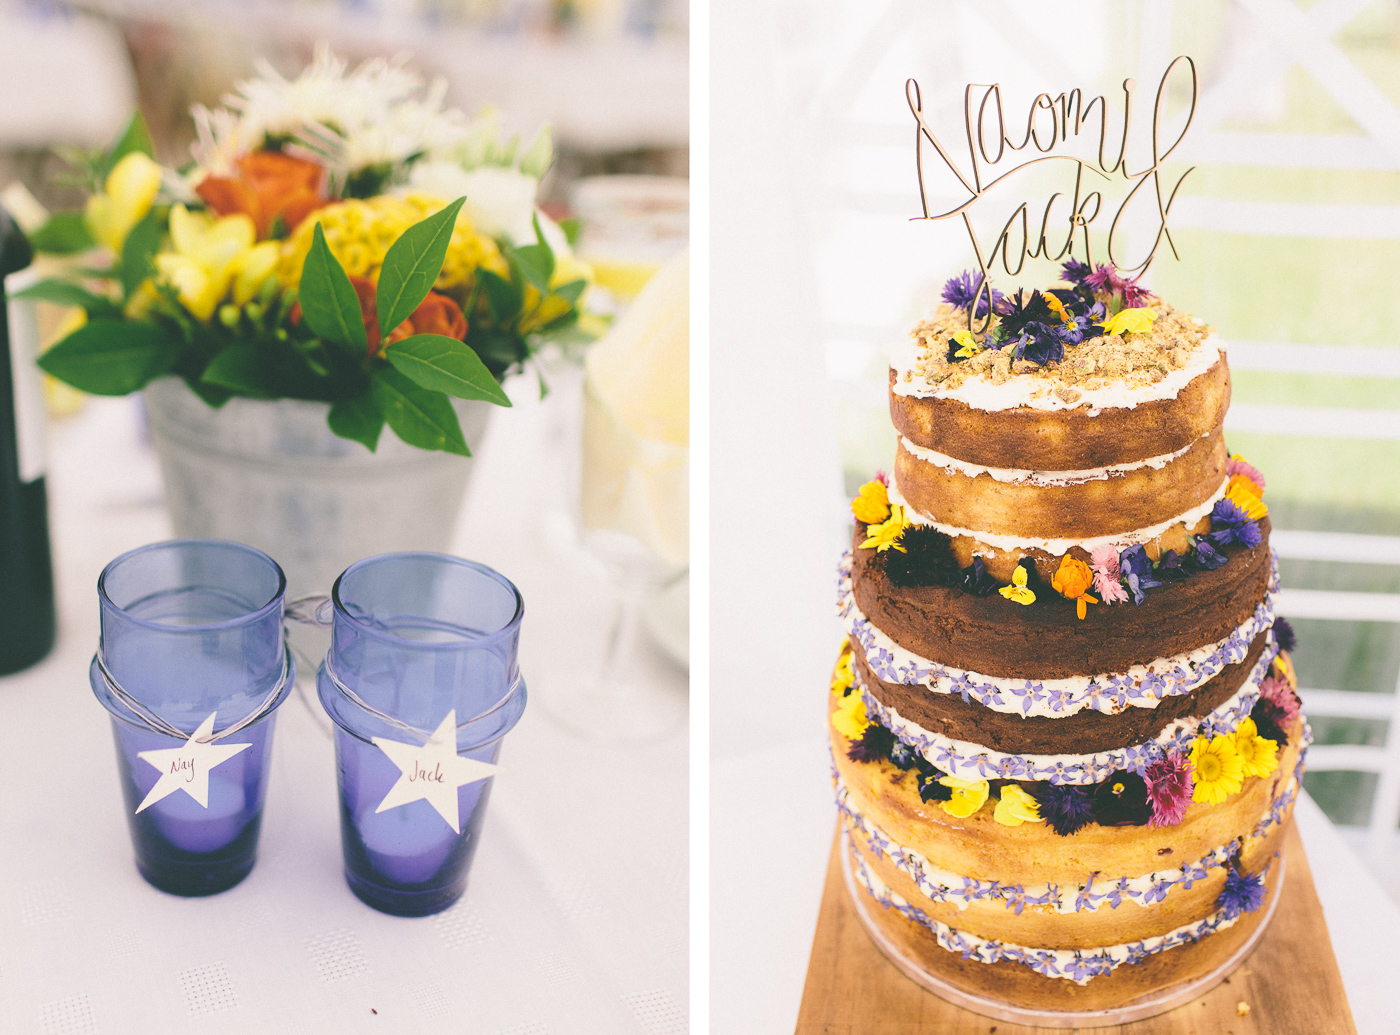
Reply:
x=269, y=185
x=436, y=314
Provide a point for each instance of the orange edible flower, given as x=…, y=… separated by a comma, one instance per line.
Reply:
x=1072, y=581
x=1240, y=492
x=1246, y=483
x=873, y=504
x=269, y=184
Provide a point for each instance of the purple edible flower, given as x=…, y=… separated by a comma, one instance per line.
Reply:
x=1283, y=632
x=1270, y=720
x=1074, y=271
x=931, y=790
x=1169, y=786
x=975, y=579
x=1243, y=893
x=904, y=756
x=1170, y=568
x=1122, y=800
x=1066, y=807
x=1231, y=524
x=1137, y=572
x=1105, y=278
x=1135, y=296
x=1023, y=308
x=1207, y=557
x=962, y=291
x=873, y=746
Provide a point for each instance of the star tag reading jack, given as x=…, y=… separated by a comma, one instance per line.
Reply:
x=432, y=772
x=187, y=768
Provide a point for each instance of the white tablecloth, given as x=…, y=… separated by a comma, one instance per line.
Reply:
x=575, y=919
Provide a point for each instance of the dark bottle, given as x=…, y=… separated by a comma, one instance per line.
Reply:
x=26, y=571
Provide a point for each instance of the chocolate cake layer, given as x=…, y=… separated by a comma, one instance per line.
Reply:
x=1045, y=640
x=1070, y=439
x=1085, y=732
x=1120, y=501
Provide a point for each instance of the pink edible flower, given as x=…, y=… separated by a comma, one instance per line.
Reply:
x=1239, y=465
x=1169, y=787
x=1104, y=561
x=882, y=478
x=1277, y=691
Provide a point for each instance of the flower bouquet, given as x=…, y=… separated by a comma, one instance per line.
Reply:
x=312, y=251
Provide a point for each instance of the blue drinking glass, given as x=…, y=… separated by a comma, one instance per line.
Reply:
x=420, y=643
x=191, y=643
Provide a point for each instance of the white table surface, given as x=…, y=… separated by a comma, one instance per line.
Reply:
x=576, y=916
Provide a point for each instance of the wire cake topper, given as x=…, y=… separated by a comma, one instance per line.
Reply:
x=1050, y=123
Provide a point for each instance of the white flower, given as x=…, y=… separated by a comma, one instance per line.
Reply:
x=500, y=201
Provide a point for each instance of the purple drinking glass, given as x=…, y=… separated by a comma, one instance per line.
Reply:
x=192, y=667
x=422, y=682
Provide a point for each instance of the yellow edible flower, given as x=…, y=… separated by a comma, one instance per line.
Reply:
x=849, y=718
x=1017, y=591
x=1016, y=806
x=1240, y=492
x=1127, y=321
x=968, y=796
x=205, y=258
x=1057, y=307
x=1072, y=581
x=1218, y=769
x=873, y=504
x=126, y=196
x=883, y=535
x=252, y=268
x=968, y=343
x=1283, y=668
x=844, y=677
x=1258, y=755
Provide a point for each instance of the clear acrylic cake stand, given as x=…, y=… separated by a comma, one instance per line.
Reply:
x=1139, y=1009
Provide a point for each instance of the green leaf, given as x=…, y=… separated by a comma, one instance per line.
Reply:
x=358, y=419
x=536, y=264
x=503, y=297
x=420, y=417
x=572, y=227
x=111, y=357
x=243, y=370
x=63, y=292
x=213, y=395
x=136, y=137
x=328, y=300
x=570, y=292
x=64, y=234
x=138, y=253
x=443, y=364
x=411, y=267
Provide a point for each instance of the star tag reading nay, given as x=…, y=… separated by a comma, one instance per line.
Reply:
x=187, y=768
x=432, y=772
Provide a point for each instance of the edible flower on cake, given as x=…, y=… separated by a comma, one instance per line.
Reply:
x=1243, y=893
x=968, y=796
x=843, y=679
x=849, y=718
x=1258, y=755
x=886, y=534
x=1072, y=581
x=872, y=505
x=1218, y=768
x=1170, y=784
x=1015, y=807
x=1129, y=321
x=1017, y=591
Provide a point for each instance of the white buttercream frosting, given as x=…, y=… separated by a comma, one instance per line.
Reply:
x=1016, y=476
x=1038, y=393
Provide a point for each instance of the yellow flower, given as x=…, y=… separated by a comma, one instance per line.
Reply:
x=1218, y=768
x=359, y=234
x=1258, y=755
x=126, y=197
x=1072, y=581
x=205, y=258
x=1240, y=491
x=844, y=677
x=1129, y=321
x=849, y=718
x=1016, y=806
x=883, y=535
x=968, y=796
x=873, y=504
x=1057, y=307
x=1283, y=668
x=252, y=268
x=968, y=343
x=1017, y=591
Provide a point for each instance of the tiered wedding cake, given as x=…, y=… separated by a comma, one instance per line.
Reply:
x=1065, y=727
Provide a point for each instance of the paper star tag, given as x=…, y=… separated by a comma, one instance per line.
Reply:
x=187, y=768
x=432, y=772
